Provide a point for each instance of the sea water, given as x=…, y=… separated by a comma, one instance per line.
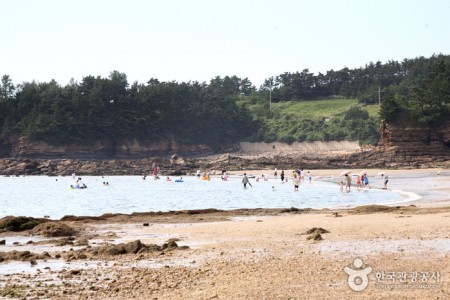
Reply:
x=40, y=196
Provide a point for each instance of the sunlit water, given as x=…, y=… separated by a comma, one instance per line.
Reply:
x=39, y=196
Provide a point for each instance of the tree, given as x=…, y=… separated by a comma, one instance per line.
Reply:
x=7, y=88
x=431, y=101
x=356, y=113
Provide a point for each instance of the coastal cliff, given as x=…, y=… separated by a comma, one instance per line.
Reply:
x=21, y=147
x=415, y=139
x=398, y=148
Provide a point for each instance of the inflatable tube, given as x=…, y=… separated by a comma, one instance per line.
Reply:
x=78, y=187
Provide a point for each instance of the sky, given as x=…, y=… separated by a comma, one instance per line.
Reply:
x=197, y=40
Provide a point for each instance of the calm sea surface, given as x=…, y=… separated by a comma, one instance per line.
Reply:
x=39, y=196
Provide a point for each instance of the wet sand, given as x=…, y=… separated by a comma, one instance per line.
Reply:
x=253, y=254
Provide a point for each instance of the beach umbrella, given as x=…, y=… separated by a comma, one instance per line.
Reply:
x=343, y=173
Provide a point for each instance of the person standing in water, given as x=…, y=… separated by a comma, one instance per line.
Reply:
x=348, y=183
x=296, y=182
x=282, y=176
x=245, y=181
x=366, y=181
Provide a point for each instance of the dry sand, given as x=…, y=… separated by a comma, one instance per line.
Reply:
x=261, y=254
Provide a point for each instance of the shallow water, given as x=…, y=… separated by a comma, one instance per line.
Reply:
x=40, y=196
x=51, y=266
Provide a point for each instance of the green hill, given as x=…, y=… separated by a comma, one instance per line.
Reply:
x=321, y=109
x=334, y=118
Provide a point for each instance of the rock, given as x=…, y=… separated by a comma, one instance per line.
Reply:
x=44, y=255
x=18, y=223
x=133, y=247
x=112, y=250
x=172, y=240
x=316, y=230
x=82, y=242
x=2, y=242
x=53, y=229
x=315, y=237
x=169, y=246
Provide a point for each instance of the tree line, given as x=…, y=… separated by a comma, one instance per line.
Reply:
x=361, y=83
x=98, y=108
x=415, y=93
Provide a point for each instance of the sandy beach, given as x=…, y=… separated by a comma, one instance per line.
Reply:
x=402, y=251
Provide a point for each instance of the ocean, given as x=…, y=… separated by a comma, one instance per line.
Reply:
x=43, y=196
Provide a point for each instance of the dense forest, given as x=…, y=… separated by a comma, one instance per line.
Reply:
x=414, y=92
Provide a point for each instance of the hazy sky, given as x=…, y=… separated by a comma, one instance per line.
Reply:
x=196, y=40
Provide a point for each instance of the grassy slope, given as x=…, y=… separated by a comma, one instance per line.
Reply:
x=319, y=109
x=288, y=121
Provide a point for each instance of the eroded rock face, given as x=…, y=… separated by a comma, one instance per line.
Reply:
x=415, y=147
x=398, y=148
x=415, y=139
x=102, y=149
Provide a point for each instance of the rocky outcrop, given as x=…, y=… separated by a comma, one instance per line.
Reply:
x=398, y=148
x=374, y=157
x=66, y=167
x=415, y=139
x=102, y=149
x=415, y=146
x=53, y=229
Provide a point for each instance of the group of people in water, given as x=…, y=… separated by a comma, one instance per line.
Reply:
x=298, y=176
x=79, y=184
x=361, y=181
